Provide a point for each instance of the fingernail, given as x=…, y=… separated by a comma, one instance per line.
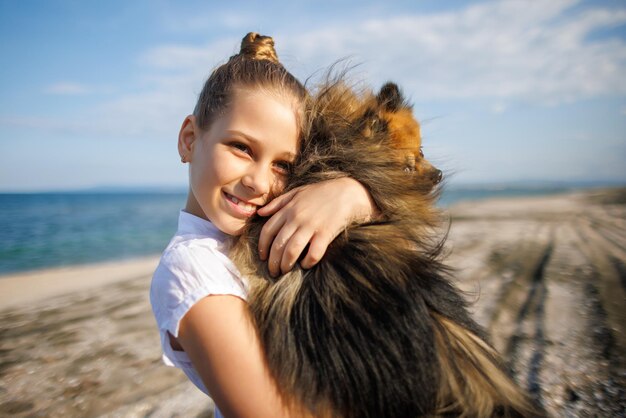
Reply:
x=274, y=269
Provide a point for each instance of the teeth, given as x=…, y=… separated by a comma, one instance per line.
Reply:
x=245, y=206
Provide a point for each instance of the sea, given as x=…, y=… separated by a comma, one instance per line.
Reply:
x=42, y=230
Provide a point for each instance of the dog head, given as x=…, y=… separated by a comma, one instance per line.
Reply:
x=390, y=113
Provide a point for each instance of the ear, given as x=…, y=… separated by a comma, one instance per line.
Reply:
x=390, y=97
x=187, y=136
x=368, y=122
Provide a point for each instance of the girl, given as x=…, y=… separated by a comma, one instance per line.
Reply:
x=239, y=143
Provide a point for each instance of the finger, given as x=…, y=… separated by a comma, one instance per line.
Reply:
x=277, y=203
x=293, y=249
x=278, y=247
x=268, y=232
x=317, y=248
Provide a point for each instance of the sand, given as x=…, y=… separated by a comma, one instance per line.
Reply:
x=547, y=276
x=34, y=287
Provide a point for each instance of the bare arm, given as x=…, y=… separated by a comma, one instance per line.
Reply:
x=219, y=338
x=311, y=215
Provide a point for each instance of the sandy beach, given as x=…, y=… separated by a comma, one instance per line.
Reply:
x=546, y=275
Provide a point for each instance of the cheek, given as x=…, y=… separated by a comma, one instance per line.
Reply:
x=202, y=176
x=221, y=170
x=212, y=172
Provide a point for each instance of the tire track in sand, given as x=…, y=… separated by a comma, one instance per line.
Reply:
x=517, y=324
x=610, y=285
x=578, y=377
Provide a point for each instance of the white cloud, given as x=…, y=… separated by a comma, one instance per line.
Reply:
x=45, y=123
x=511, y=49
x=582, y=137
x=66, y=88
x=185, y=58
x=499, y=51
x=179, y=20
x=498, y=108
x=533, y=51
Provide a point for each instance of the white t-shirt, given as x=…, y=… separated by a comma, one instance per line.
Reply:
x=193, y=266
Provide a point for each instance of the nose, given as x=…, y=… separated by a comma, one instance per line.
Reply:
x=257, y=179
x=436, y=176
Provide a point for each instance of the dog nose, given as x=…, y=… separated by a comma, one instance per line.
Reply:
x=436, y=176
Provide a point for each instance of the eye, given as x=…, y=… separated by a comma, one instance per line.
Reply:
x=283, y=167
x=240, y=147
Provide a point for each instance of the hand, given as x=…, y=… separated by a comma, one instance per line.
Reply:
x=311, y=215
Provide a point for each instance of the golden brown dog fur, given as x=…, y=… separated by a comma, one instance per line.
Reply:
x=375, y=329
x=389, y=111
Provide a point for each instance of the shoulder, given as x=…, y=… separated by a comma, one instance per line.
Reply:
x=189, y=270
x=197, y=257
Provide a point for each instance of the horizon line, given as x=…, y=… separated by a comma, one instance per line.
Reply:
x=525, y=183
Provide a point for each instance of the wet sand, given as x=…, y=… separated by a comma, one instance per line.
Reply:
x=547, y=276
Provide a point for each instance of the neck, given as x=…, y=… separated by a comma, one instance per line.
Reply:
x=192, y=206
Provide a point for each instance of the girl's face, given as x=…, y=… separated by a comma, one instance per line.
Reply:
x=243, y=156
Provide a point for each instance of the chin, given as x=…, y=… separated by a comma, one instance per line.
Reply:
x=230, y=227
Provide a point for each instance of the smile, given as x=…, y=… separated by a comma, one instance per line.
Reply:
x=244, y=208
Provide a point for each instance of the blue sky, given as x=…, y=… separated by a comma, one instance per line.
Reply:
x=93, y=93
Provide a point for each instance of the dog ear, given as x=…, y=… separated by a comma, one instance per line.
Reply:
x=390, y=98
x=371, y=122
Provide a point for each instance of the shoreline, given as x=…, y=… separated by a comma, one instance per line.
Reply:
x=32, y=286
x=38, y=285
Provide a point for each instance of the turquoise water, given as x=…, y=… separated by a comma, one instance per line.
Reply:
x=41, y=230
x=54, y=229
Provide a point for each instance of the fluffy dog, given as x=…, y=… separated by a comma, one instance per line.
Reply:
x=375, y=329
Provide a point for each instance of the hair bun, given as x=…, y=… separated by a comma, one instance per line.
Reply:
x=258, y=47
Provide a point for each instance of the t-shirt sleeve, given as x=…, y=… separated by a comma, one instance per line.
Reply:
x=185, y=275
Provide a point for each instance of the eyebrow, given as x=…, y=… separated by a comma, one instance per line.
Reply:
x=248, y=137
x=286, y=154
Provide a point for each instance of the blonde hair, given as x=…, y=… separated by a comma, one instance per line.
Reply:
x=256, y=66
